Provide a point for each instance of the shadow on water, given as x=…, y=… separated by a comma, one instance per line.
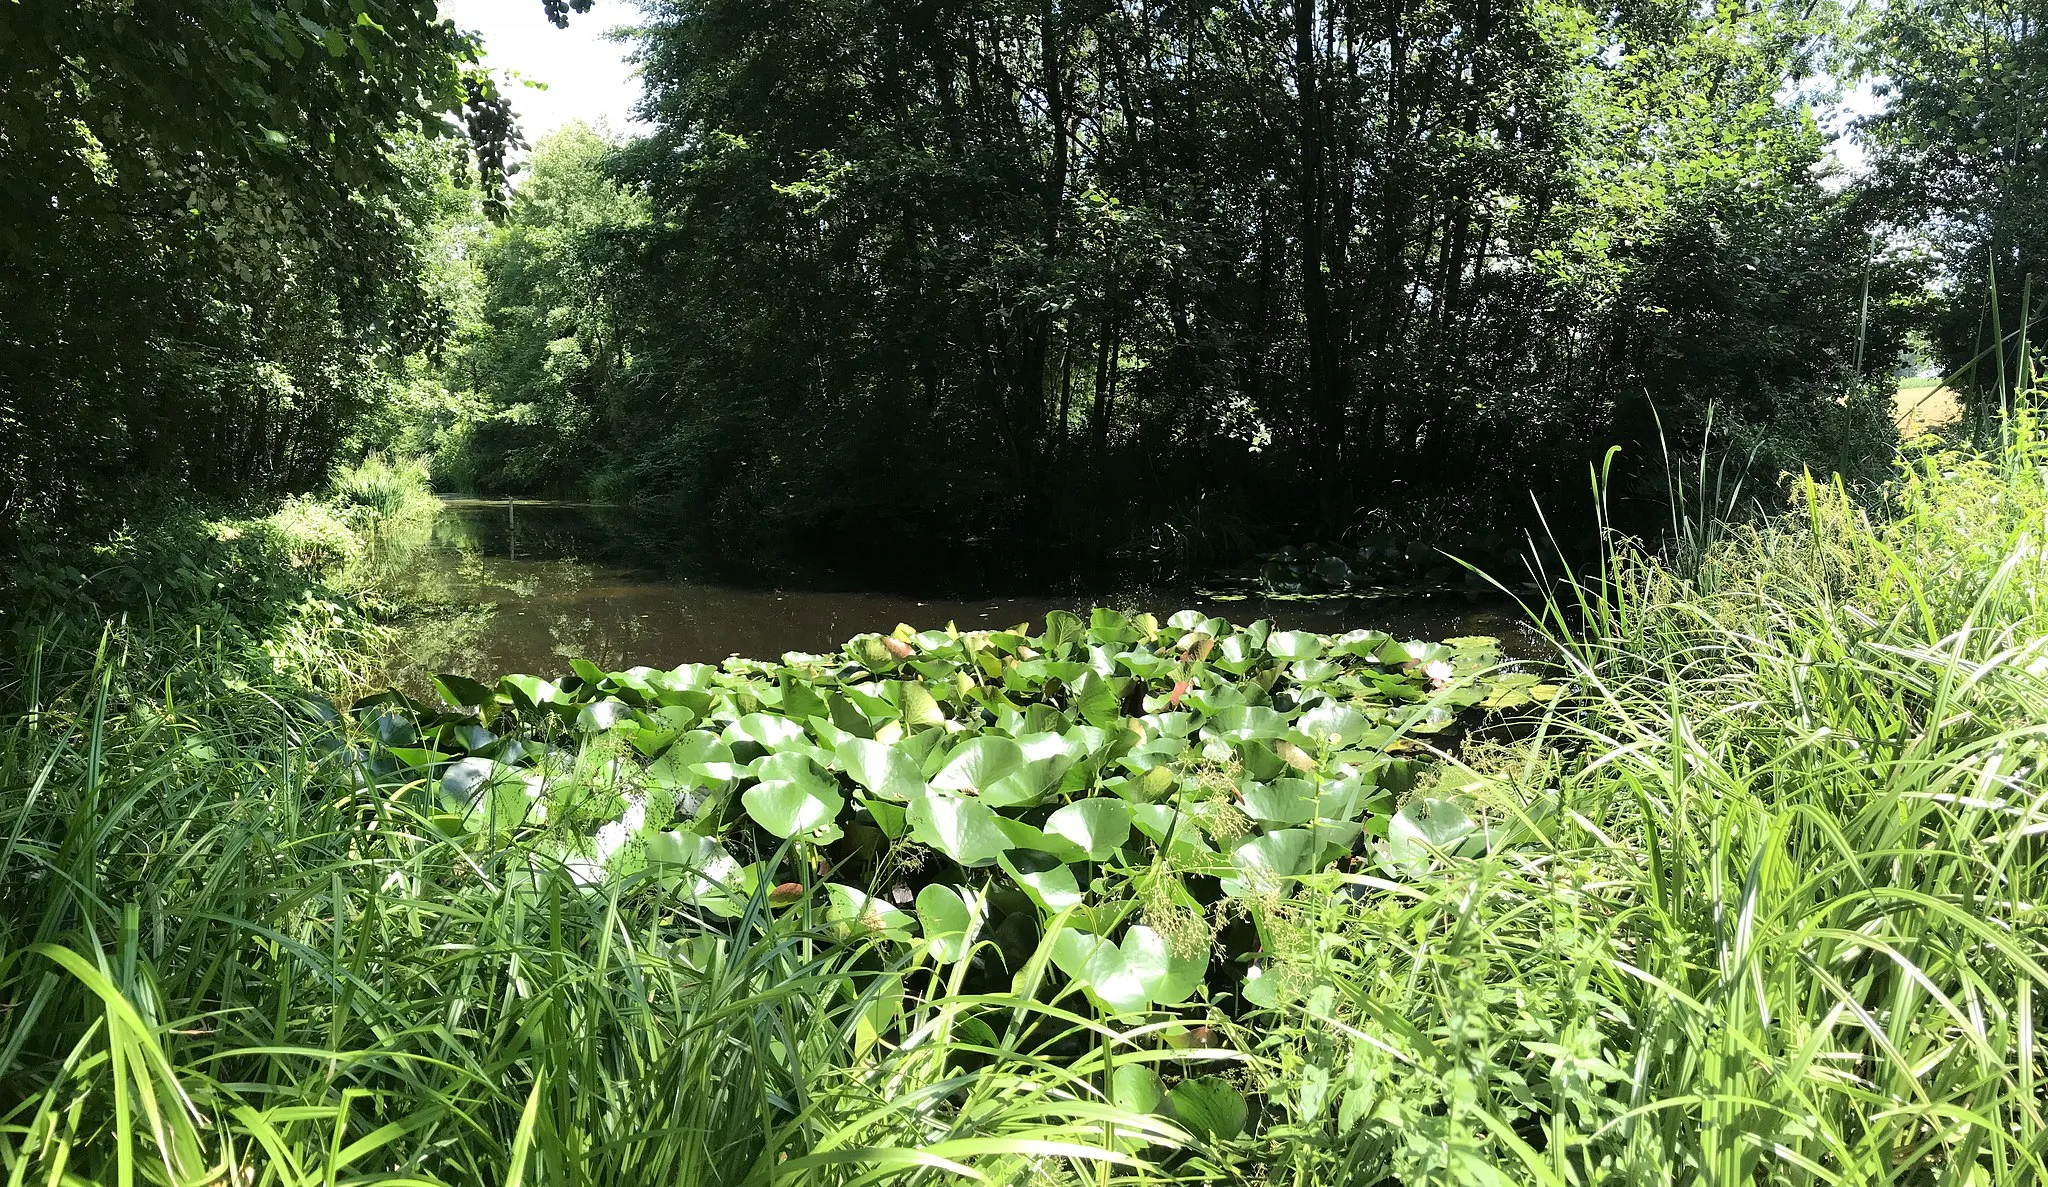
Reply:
x=528, y=586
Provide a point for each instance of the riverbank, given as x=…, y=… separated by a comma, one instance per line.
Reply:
x=1757, y=898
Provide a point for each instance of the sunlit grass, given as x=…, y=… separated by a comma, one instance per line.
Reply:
x=1764, y=905
x=1785, y=921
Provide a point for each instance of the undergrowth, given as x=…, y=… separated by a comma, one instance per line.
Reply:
x=1784, y=922
x=1761, y=903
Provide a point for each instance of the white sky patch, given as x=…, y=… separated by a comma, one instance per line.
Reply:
x=1840, y=117
x=587, y=75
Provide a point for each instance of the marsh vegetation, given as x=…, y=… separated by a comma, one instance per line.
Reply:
x=954, y=722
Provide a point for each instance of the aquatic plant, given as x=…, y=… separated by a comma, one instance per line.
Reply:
x=1108, y=785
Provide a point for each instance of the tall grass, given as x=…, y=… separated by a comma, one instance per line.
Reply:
x=1764, y=904
x=220, y=962
x=1784, y=919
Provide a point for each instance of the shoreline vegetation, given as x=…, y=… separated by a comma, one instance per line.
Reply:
x=1746, y=885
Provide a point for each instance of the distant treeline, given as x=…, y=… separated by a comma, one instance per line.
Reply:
x=1094, y=277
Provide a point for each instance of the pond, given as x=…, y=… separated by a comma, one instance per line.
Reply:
x=526, y=586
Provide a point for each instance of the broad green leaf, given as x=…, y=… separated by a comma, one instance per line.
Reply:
x=1247, y=723
x=1141, y=971
x=1281, y=802
x=1044, y=878
x=699, y=870
x=1098, y=827
x=1422, y=828
x=1330, y=726
x=1025, y=836
x=1209, y=1107
x=766, y=730
x=462, y=692
x=882, y=769
x=856, y=909
x=1137, y=1087
x=949, y=920
x=979, y=764
x=1263, y=863
x=1293, y=645
x=529, y=692
x=1062, y=632
x=961, y=828
x=599, y=716
x=1095, y=700
x=920, y=707
x=797, y=800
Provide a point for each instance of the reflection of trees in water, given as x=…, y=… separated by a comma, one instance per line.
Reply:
x=484, y=614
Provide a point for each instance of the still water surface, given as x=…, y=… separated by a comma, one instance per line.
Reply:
x=529, y=586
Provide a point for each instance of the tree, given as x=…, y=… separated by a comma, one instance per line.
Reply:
x=545, y=349
x=1959, y=153
x=1056, y=272
x=210, y=234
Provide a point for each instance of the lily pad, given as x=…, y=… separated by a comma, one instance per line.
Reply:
x=1130, y=976
x=949, y=920
x=963, y=829
x=1210, y=1107
x=1423, y=828
x=1098, y=827
x=884, y=770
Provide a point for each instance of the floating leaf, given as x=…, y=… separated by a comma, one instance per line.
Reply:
x=1098, y=827
x=884, y=770
x=961, y=828
x=1293, y=645
x=1425, y=827
x=853, y=908
x=979, y=764
x=1331, y=726
x=1137, y=1088
x=1282, y=802
x=1096, y=701
x=599, y=716
x=1262, y=863
x=1044, y=878
x=699, y=870
x=765, y=730
x=949, y=920
x=1141, y=971
x=794, y=798
x=920, y=707
x=1210, y=1107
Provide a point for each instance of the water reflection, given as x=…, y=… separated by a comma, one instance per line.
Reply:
x=526, y=587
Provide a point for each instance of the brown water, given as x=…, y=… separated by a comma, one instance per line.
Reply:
x=529, y=586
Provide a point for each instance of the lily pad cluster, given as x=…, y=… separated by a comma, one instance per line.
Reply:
x=1094, y=789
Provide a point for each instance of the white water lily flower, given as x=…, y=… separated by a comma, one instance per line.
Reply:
x=1439, y=673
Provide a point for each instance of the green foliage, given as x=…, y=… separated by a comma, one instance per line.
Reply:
x=1959, y=157
x=1753, y=903
x=543, y=348
x=1773, y=921
x=212, y=238
x=1079, y=770
x=1182, y=281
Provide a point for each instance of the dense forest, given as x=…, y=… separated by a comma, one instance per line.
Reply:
x=1086, y=279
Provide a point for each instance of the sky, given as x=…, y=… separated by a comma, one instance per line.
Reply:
x=587, y=75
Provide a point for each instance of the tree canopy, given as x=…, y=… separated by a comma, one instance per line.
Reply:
x=1065, y=272
x=210, y=219
x=1088, y=276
